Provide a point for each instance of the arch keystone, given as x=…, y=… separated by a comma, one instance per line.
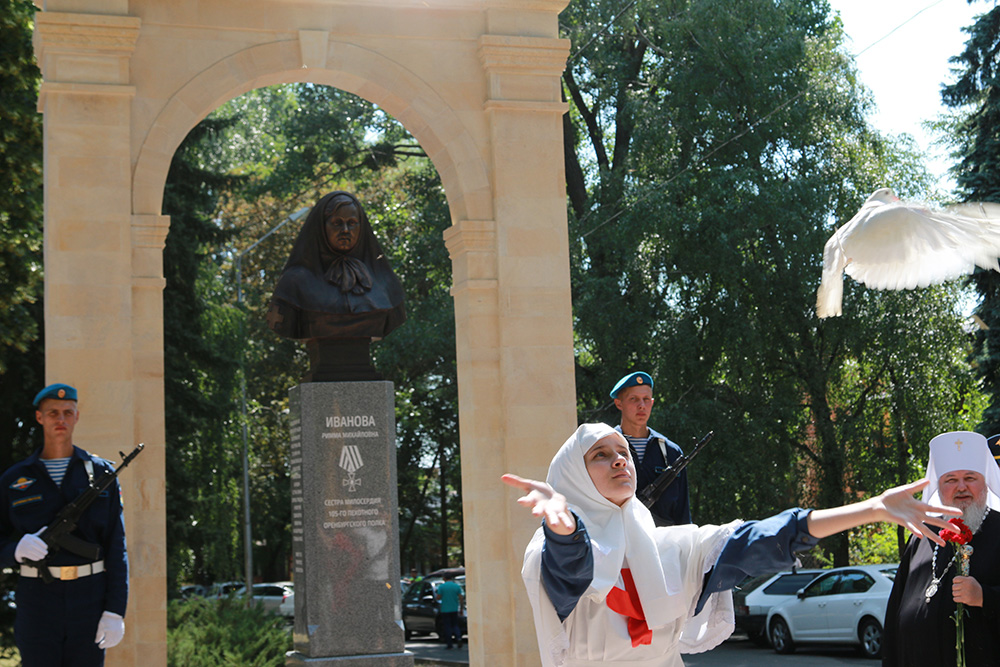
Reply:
x=313, y=47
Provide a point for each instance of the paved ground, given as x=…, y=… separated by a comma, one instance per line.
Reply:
x=740, y=652
x=737, y=652
x=430, y=652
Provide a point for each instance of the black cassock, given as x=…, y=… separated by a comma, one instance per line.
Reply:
x=922, y=634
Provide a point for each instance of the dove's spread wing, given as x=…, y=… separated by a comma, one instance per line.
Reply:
x=902, y=246
x=830, y=294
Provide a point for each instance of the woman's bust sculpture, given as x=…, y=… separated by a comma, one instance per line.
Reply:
x=337, y=291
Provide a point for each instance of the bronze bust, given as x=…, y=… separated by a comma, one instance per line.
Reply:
x=337, y=291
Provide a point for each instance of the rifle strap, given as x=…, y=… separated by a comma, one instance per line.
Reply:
x=89, y=466
x=663, y=449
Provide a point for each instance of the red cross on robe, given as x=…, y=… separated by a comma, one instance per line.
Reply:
x=626, y=602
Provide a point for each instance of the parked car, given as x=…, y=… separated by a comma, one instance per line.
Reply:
x=845, y=605
x=270, y=595
x=421, y=609
x=287, y=606
x=754, y=598
x=193, y=590
x=225, y=589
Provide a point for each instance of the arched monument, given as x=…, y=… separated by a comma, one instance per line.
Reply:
x=477, y=83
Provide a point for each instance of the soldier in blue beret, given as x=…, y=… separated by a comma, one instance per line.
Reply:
x=652, y=451
x=73, y=619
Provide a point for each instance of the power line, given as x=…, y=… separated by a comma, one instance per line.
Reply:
x=933, y=4
x=603, y=30
x=731, y=139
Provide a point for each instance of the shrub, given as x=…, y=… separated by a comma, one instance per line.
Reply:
x=210, y=633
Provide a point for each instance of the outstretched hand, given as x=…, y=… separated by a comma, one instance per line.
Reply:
x=900, y=507
x=545, y=502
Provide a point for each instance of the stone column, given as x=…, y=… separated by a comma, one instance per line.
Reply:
x=514, y=335
x=145, y=488
x=102, y=302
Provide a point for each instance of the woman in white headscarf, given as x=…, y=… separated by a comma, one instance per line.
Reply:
x=608, y=586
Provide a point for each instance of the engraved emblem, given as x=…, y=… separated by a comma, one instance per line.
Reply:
x=62, y=393
x=638, y=380
x=350, y=461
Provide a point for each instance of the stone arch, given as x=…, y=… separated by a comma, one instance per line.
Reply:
x=356, y=70
x=476, y=82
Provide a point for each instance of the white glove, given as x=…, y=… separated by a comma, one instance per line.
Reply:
x=110, y=630
x=31, y=547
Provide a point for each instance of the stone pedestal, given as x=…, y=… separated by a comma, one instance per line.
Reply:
x=340, y=360
x=345, y=526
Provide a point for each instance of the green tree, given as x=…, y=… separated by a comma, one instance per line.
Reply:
x=712, y=147
x=21, y=346
x=975, y=133
x=199, y=371
x=420, y=359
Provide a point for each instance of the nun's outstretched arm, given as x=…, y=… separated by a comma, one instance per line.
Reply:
x=897, y=505
x=545, y=502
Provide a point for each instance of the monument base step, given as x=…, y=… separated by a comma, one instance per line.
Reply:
x=404, y=659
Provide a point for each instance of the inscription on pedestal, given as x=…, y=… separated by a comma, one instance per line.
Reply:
x=345, y=525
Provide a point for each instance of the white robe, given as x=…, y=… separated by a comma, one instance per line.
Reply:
x=594, y=635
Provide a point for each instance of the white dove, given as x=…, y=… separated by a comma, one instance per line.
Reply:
x=891, y=244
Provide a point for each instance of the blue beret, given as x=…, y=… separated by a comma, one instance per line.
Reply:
x=63, y=392
x=632, y=380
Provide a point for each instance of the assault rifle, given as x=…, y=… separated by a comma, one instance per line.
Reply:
x=655, y=489
x=57, y=534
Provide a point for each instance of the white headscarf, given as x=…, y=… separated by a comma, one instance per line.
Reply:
x=624, y=532
x=961, y=450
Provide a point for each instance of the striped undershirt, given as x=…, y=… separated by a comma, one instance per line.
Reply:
x=639, y=444
x=56, y=468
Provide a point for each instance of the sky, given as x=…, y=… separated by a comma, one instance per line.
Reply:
x=905, y=70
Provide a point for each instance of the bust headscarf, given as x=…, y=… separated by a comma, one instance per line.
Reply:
x=337, y=282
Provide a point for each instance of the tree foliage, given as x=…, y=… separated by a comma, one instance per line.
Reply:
x=21, y=345
x=975, y=134
x=712, y=148
x=200, y=336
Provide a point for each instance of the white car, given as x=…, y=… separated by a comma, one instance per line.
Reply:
x=844, y=606
x=270, y=596
x=225, y=589
x=287, y=606
x=754, y=598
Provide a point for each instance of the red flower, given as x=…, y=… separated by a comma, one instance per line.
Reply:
x=962, y=537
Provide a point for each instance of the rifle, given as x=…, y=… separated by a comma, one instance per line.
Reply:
x=655, y=489
x=57, y=534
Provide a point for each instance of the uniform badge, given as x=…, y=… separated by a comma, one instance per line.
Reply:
x=638, y=379
x=26, y=501
x=62, y=393
x=22, y=483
